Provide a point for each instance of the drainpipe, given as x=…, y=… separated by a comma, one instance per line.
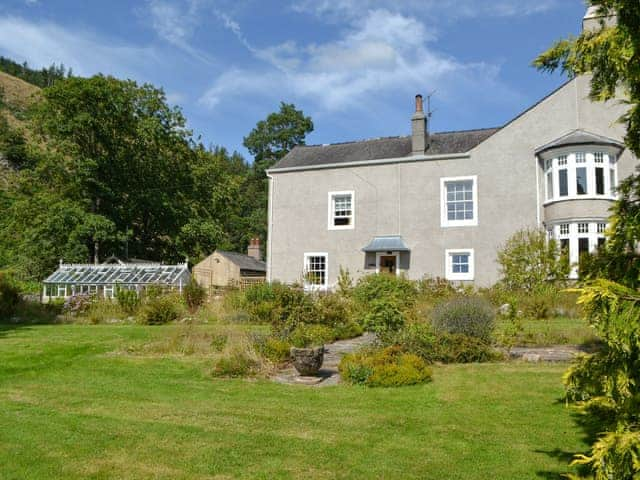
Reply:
x=271, y=184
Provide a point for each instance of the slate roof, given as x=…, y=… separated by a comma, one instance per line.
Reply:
x=391, y=243
x=245, y=262
x=580, y=137
x=442, y=143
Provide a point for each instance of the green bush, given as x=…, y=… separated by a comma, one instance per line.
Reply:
x=420, y=340
x=528, y=260
x=390, y=367
x=160, y=310
x=471, y=316
x=311, y=335
x=194, y=295
x=435, y=289
x=235, y=363
x=129, y=300
x=397, y=289
x=9, y=296
x=383, y=315
x=274, y=349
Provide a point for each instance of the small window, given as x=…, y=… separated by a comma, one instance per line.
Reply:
x=459, y=201
x=315, y=271
x=564, y=229
x=583, y=228
x=459, y=264
x=581, y=157
x=341, y=210
x=563, y=182
x=581, y=181
x=602, y=227
x=562, y=160
x=599, y=181
x=549, y=185
x=598, y=157
x=612, y=180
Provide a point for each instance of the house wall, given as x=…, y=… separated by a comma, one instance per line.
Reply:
x=405, y=199
x=217, y=271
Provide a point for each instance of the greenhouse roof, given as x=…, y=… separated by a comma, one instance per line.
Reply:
x=120, y=273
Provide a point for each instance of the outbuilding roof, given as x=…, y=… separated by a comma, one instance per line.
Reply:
x=245, y=262
x=442, y=143
x=580, y=137
x=119, y=273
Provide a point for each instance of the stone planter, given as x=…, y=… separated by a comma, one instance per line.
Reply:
x=307, y=360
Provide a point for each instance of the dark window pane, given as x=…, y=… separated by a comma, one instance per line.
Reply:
x=583, y=246
x=581, y=181
x=564, y=182
x=600, y=181
x=601, y=242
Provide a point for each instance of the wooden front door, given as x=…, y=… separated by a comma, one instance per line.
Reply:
x=388, y=264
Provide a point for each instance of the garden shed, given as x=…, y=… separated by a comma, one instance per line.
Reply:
x=102, y=280
x=231, y=269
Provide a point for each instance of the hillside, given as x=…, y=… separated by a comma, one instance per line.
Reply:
x=18, y=95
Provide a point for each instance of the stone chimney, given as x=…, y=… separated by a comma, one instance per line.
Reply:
x=419, y=136
x=254, y=249
x=593, y=20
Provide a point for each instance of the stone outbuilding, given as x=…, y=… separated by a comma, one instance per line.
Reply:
x=231, y=269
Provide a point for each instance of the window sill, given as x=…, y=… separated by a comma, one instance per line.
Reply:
x=459, y=277
x=580, y=197
x=460, y=223
x=346, y=227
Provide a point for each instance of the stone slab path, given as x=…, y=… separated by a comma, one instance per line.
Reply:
x=557, y=353
x=329, y=374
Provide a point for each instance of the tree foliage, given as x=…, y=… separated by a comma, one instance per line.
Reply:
x=45, y=77
x=611, y=54
x=274, y=137
x=528, y=261
x=606, y=385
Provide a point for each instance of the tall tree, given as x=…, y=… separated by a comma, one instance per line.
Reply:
x=605, y=384
x=268, y=142
x=274, y=137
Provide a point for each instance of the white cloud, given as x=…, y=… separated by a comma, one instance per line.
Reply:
x=176, y=23
x=381, y=53
x=43, y=43
x=338, y=10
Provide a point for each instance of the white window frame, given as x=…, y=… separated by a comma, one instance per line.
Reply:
x=331, y=209
x=594, y=234
x=449, y=275
x=444, y=220
x=313, y=287
x=567, y=159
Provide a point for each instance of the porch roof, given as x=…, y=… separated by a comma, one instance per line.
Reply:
x=389, y=243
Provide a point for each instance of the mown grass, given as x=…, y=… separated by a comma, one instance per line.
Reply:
x=550, y=331
x=72, y=408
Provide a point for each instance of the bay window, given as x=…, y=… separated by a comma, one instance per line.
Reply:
x=577, y=238
x=580, y=174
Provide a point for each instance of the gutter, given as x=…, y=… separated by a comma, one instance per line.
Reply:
x=365, y=163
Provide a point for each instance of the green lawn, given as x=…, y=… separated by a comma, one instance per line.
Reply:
x=72, y=408
x=551, y=331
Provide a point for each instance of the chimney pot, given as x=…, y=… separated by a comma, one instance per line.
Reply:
x=419, y=107
x=254, y=248
x=419, y=137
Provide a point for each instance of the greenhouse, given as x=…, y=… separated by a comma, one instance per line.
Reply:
x=103, y=280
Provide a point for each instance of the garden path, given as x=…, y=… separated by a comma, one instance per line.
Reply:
x=329, y=374
x=557, y=353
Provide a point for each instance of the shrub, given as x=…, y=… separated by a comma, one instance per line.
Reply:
x=383, y=315
x=9, y=296
x=311, y=335
x=397, y=289
x=78, y=304
x=235, y=363
x=528, y=259
x=274, y=349
x=420, y=340
x=471, y=316
x=194, y=295
x=129, y=300
x=435, y=289
x=390, y=367
x=160, y=310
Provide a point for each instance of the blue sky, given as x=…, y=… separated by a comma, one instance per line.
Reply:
x=352, y=65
